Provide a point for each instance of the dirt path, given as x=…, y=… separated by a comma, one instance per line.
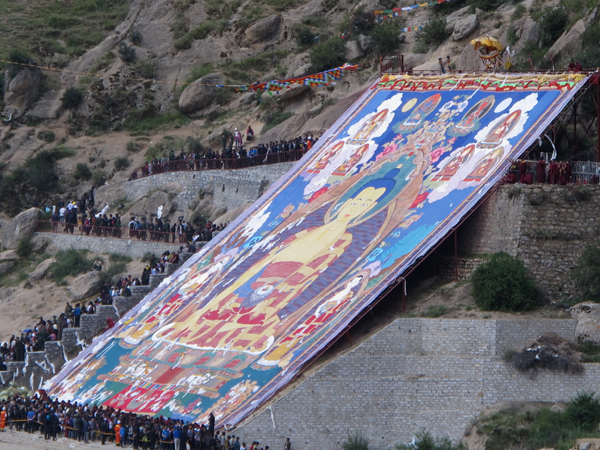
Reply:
x=13, y=440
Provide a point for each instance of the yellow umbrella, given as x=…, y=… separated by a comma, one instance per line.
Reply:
x=487, y=42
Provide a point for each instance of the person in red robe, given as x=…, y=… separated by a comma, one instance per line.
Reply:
x=541, y=171
x=568, y=171
x=553, y=173
x=522, y=171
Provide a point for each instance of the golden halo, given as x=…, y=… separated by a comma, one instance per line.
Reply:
x=409, y=104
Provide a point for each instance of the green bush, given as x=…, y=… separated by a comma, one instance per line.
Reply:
x=46, y=135
x=590, y=54
x=511, y=35
x=502, y=284
x=519, y=12
x=587, y=274
x=98, y=177
x=121, y=163
x=82, y=172
x=327, y=54
x=183, y=43
x=72, y=98
x=135, y=37
x=40, y=172
x=486, y=5
x=127, y=53
x=145, y=69
x=584, y=411
x=356, y=441
x=425, y=441
x=386, y=37
x=70, y=263
x=304, y=37
x=552, y=23
x=25, y=247
x=433, y=34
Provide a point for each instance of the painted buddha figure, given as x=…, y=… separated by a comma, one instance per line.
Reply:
x=468, y=123
x=485, y=165
x=369, y=127
x=244, y=316
x=450, y=169
x=500, y=130
x=350, y=162
x=327, y=156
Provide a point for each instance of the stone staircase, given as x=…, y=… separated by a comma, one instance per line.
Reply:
x=43, y=365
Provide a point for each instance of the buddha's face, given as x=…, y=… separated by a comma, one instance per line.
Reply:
x=360, y=204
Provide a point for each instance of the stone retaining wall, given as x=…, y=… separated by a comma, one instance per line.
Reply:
x=546, y=226
x=134, y=248
x=432, y=373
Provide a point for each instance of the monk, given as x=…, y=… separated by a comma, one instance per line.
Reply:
x=522, y=171
x=541, y=171
x=553, y=173
x=2, y=419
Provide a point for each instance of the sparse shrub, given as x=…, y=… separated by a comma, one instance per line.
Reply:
x=435, y=311
x=147, y=257
x=134, y=147
x=587, y=274
x=202, y=31
x=433, y=34
x=145, y=68
x=304, y=37
x=121, y=163
x=502, y=284
x=40, y=172
x=70, y=262
x=590, y=54
x=82, y=172
x=135, y=37
x=327, y=54
x=273, y=118
x=356, y=441
x=127, y=53
x=183, y=43
x=386, y=37
x=519, y=12
x=99, y=177
x=511, y=35
x=425, y=441
x=72, y=98
x=485, y=5
x=47, y=136
x=25, y=247
x=584, y=411
x=552, y=24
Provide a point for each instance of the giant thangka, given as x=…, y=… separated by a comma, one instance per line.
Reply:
x=383, y=185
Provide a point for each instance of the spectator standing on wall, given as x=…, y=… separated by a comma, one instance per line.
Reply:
x=77, y=315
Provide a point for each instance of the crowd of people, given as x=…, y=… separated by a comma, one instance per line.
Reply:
x=34, y=339
x=236, y=156
x=85, y=423
x=73, y=215
x=529, y=172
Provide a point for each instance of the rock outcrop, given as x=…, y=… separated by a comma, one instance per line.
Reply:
x=20, y=227
x=464, y=27
x=588, y=321
x=201, y=94
x=85, y=285
x=22, y=90
x=41, y=270
x=568, y=45
x=264, y=30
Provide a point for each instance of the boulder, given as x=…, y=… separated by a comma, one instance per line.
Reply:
x=352, y=51
x=6, y=266
x=21, y=226
x=197, y=96
x=365, y=42
x=85, y=285
x=558, y=407
x=156, y=200
x=9, y=255
x=568, y=44
x=264, y=29
x=49, y=106
x=22, y=90
x=464, y=27
x=458, y=14
x=588, y=321
x=293, y=91
x=469, y=60
x=527, y=30
x=41, y=270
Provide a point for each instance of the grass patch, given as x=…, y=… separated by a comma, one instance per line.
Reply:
x=590, y=352
x=274, y=118
x=70, y=263
x=249, y=69
x=38, y=25
x=156, y=122
x=435, y=311
x=543, y=428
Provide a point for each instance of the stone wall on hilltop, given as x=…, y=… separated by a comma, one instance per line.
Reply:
x=546, y=226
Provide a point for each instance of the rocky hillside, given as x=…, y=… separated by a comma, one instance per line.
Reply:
x=116, y=97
